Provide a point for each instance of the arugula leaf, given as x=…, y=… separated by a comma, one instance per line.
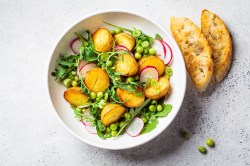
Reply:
x=133, y=113
x=166, y=110
x=153, y=119
x=148, y=127
x=158, y=37
x=99, y=133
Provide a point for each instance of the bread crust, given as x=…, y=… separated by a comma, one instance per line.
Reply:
x=218, y=36
x=195, y=50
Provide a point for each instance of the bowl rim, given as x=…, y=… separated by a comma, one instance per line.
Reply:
x=51, y=105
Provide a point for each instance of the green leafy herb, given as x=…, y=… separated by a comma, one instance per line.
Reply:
x=158, y=37
x=166, y=110
x=148, y=127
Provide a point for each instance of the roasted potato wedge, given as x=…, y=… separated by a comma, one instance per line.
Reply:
x=131, y=99
x=97, y=80
x=152, y=61
x=103, y=40
x=125, y=39
x=75, y=97
x=111, y=113
x=220, y=41
x=157, y=89
x=195, y=49
x=126, y=65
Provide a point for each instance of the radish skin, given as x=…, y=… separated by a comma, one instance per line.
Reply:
x=87, y=113
x=121, y=47
x=168, y=58
x=148, y=72
x=135, y=127
x=75, y=45
x=87, y=67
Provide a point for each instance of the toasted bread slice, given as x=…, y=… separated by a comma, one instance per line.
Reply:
x=195, y=49
x=220, y=41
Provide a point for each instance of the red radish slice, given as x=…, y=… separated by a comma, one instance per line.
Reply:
x=121, y=47
x=135, y=127
x=91, y=129
x=80, y=65
x=159, y=48
x=169, y=56
x=87, y=67
x=87, y=113
x=75, y=45
x=148, y=72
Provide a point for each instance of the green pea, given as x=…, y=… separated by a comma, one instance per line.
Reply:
x=112, y=32
x=138, y=56
x=113, y=126
x=121, y=123
x=169, y=71
x=153, y=102
x=136, y=77
x=109, y=63
x=145, y=51
x=130, y=79
x=113, y=133
x=108, y=136
x=100, y=95
x=92, y=95
x=145, y=44
x=139, y=49
x=152, y=51
x=74, y=83
x=145, y=120
x=152, y=108
x=76, y=78
x=139, y=42
x=104, y=57
x=108, y=130
x=73, y=73
x=210, y=142
x=71, y=77
x=118, y=30
x=137, y=33
x=159, y=107
x=97, y=99
x=202, y=149
x=67, y=82
x=127, y=115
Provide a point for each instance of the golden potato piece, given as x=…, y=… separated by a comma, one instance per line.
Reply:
x=195, y=49
x=152, y=61
x=103, y=40
x=220, y=41
x=111, y=113
x=126, y=65
x=125, y=39
x=131, y=99
x=97, y=80
x=75, y=97
x=157, y=89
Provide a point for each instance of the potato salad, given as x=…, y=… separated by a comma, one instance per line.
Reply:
x=117, y=80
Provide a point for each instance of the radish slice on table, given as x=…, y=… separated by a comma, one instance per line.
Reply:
x=75, y=45
x=135, y=127
x=91, y=129
x=90, y=117
x=87, y=67
x=169, y=55
x=148, y=72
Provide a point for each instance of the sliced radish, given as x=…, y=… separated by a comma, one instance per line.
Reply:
x=85, y=122
x=135, y=127
x=87, y=67
x=80, y=65
x=121, y=47
x=91, y=129
x=75, y=45
x=159, y=48
x=169, y=56
x=148, y=72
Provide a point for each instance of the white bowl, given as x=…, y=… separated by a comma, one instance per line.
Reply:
x=55, y=90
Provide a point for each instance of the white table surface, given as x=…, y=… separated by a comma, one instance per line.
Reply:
x=31, y=135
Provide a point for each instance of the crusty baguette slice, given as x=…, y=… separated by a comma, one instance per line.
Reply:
x=195, y=49
x=219, y=40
